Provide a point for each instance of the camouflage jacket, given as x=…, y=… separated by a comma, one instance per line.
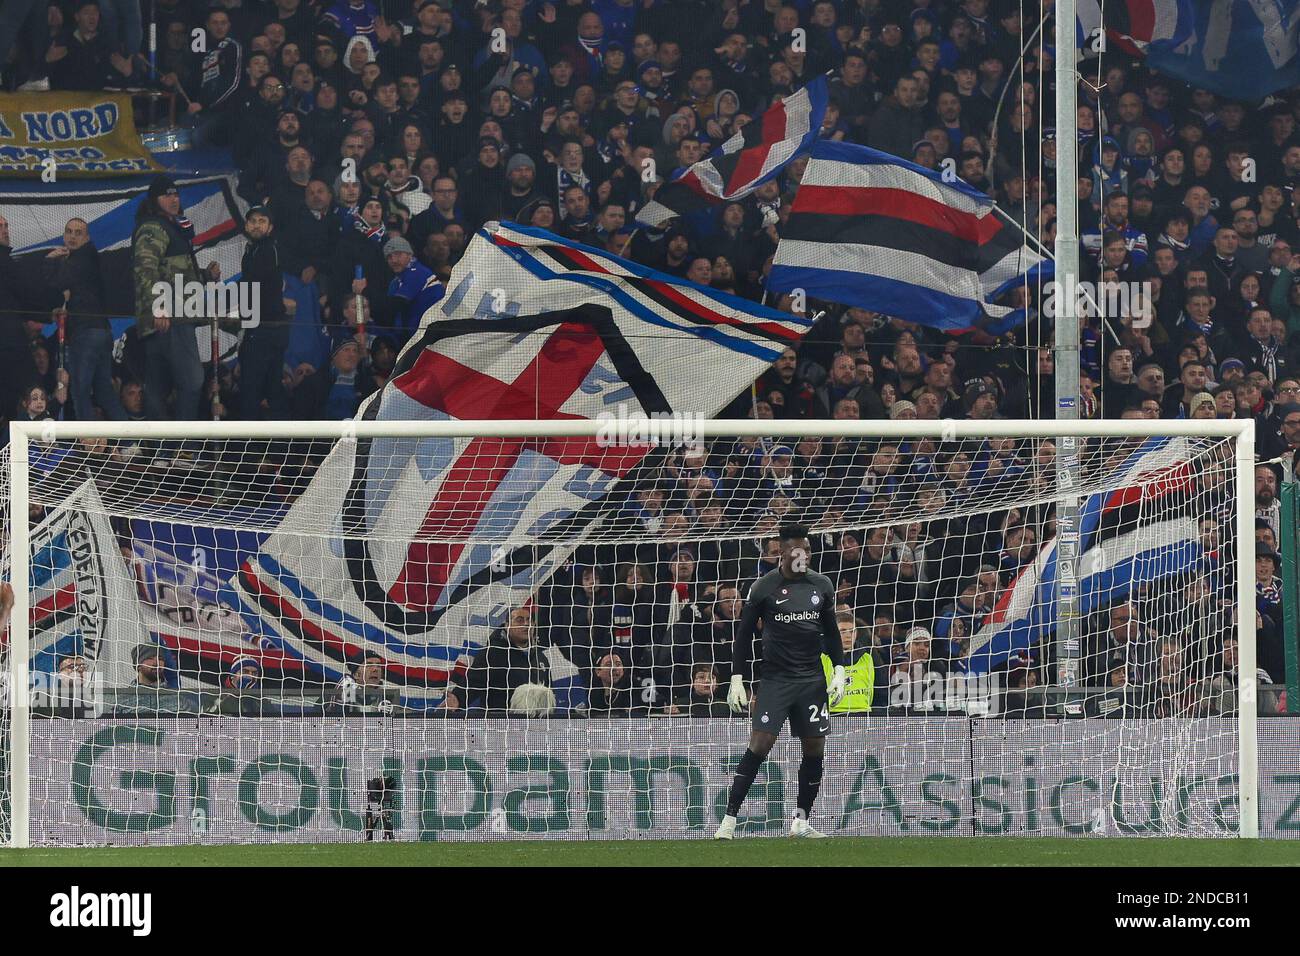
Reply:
x=160, y=252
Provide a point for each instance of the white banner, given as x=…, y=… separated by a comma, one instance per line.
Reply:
x=83, y=597
x=226, y=780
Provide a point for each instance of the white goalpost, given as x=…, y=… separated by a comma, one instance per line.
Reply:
x=237, y=632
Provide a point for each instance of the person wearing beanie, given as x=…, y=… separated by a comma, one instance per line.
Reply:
x=980, y=401
x=150, y=666
x=266, y=335
x=520, y=161
x=162, y=252
x=1202, y=406
x=336, y=391
x=413, y=290
x=483, y=185
x=1231, y=371
x=244, y=673
x=650, y=78
x=242, y=687
x=361, y=245
x=521, y=179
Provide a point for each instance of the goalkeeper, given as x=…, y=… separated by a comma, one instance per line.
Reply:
x=797, y=607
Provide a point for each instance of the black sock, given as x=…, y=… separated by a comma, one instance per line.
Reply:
x=746, y=771
x=810, y=781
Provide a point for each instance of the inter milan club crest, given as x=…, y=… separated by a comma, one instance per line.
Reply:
x=816, y=600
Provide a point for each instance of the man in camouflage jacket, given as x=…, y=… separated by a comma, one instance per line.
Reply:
x=162, y=250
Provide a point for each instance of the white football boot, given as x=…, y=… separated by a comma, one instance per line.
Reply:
x=726, y=829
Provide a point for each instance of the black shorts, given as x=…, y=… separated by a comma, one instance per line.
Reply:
x=804, y=703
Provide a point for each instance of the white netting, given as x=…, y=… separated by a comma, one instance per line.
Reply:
x=534, y=636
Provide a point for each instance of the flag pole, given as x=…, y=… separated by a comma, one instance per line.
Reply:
x=1068, y=655
x=997, y=113
x=627, y=243
x=1008, y=218
x=1048, y=253
x=214, y=338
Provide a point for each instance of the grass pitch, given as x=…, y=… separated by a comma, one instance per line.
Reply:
x=775, y=851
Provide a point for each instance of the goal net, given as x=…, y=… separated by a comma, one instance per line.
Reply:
x=502, y=630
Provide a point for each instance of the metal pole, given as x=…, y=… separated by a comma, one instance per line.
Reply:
x=1247, y=682
x=153, y=59
x=20, y=771
x=1066, y=343
x=153, y=36
x=214, y=337
x=1290, y=581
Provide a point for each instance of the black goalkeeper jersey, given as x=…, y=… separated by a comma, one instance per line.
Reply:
x=799, y=626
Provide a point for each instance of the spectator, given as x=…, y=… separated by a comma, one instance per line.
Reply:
x=364, y=686
x=703, y=697
x=1191, y=382
x=898, y=122
x=221, y=71
x=261, y=353
x=415, y=289
x=513, y=657
x=912, y=669
x=75, y=268
x=162, y=251
x=20, y=291
x=150, y=667
x=1268, y=505
x=82, y=58
x=859, y=665
x=336, y=391
x=521, y=173
x=1123, y=640
x=361, y=248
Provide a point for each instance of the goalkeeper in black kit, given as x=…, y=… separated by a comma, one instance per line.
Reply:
x=797, y=608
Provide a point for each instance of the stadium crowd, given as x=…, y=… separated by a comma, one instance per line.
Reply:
x=371, y=141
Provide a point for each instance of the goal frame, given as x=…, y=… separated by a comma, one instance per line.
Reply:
x=23, y=433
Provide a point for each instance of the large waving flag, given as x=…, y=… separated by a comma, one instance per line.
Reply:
x=1245, y=49
x=871, y=230
x=416, y=550
x=743, y=163
x=1143, y=532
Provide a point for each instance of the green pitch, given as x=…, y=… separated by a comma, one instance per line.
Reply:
x=776, y=851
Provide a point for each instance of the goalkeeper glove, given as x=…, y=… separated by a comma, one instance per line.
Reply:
x=839, y=684
x=737, y=699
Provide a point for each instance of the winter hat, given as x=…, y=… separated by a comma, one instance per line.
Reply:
x=161, y=186
x=519, y=160
x=398, y=244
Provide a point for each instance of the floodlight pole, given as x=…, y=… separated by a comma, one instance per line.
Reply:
x=1066, y=349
